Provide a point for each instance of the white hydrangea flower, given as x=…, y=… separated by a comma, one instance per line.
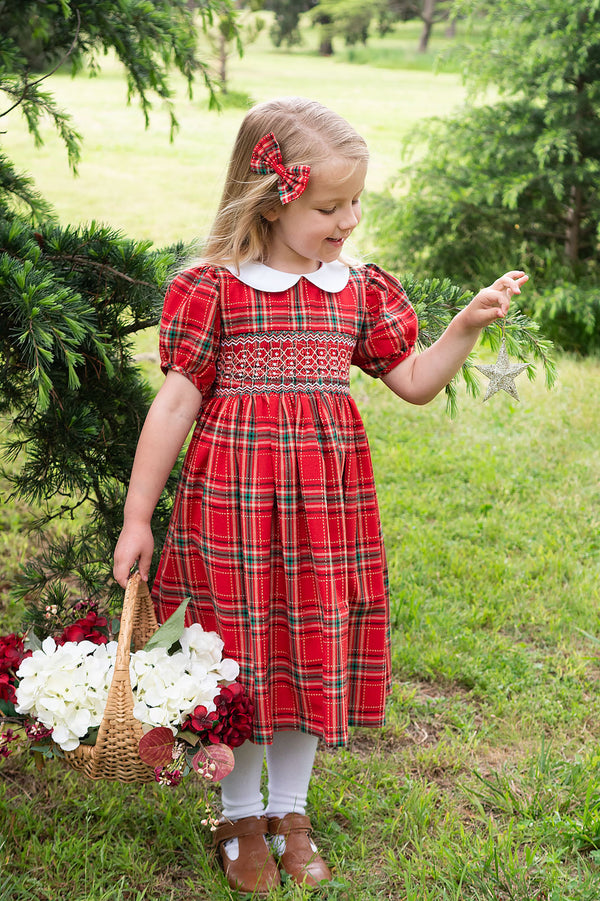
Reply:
x=204, y=647
x=65, y=687
x=228, y=670
x=153, y=716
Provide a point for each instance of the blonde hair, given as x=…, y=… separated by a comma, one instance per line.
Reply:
x=308, y=134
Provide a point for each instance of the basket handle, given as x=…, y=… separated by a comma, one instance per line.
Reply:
x=116, y=752
x=126, y=627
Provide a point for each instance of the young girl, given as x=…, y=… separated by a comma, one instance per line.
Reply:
x=275, y=531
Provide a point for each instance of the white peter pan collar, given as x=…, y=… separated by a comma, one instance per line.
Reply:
x=330, y=277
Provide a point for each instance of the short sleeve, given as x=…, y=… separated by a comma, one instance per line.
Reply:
x=191, y=325
x=390, y=328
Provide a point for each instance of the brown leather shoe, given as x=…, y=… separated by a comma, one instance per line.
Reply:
x=254, y=869
x=299, y=860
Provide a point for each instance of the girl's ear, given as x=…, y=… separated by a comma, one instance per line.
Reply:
x=272, y=215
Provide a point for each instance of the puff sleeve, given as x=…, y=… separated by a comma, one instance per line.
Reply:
x=191, y=325
x=389, y=329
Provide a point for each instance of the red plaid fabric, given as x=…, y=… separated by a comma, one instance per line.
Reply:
x=275, y=533
x=266, y=158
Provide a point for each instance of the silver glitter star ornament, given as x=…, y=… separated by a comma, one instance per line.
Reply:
x=502, y=374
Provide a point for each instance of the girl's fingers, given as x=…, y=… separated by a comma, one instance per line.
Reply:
x=144, y=565
x=498, y=297
x=122, y=568
x=512, y=281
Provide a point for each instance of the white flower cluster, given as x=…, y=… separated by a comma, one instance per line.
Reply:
x=65, y=687
x=168, y=687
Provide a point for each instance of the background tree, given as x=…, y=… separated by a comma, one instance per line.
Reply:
x=71, y=300
x=430, y=12
x=349, y=19
x=227, y=36
x=285, y=29
x=516, y=179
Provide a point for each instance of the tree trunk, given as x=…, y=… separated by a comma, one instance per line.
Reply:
x=574, y=214
x=450, y=31
x=575, y=209
x=223, y=62
x=427, y=16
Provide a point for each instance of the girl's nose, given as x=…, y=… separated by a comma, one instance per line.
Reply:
x=349, y=218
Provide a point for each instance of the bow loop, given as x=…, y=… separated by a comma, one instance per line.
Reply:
x=266, y=158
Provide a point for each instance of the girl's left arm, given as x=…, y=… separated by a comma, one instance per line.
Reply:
x=418, y=378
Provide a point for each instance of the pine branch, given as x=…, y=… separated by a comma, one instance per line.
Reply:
x=437, y=301
x=31, y=84
x=83, y=263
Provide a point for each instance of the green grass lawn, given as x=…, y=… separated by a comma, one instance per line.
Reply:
x=484, y=784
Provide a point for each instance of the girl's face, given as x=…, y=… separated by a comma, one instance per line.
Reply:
x=312, y=229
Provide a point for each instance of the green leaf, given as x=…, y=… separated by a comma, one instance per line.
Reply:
x=48, y=750
x=32, y=642
x=6, y=708
x=90, y=736
x=170, y=631
x=190, y=738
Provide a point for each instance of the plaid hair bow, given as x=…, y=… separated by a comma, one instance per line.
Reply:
x=266, y=158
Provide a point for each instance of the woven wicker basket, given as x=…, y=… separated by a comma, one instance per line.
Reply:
x=115, y=755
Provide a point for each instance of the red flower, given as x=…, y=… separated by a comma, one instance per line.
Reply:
x=86, y=629
x=7, y=688
x=230, y=723
x=165, y=776
x=201, y=720
x=37, y=731
x=12, y=652
x=6, y=738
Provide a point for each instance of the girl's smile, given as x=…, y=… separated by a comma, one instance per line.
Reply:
x=313, y=228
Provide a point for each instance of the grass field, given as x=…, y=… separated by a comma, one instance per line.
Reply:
x=485, y=783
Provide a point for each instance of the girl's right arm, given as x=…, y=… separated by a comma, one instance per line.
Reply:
x=167, y=425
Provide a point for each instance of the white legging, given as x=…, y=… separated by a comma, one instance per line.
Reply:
x=289, y=765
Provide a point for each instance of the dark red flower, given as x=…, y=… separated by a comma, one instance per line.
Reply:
x=7, y=688
x=230, y=723
x=165, y=776
x=200, y=720
x=86, y=629
x=37, y=731
x=12, y=652
x=6, y=738
x=86, y=604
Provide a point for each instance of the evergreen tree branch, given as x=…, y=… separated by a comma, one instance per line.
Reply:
x=31, y=84
x=84, y=263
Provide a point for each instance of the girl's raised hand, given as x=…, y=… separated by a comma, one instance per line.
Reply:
x=493, y=302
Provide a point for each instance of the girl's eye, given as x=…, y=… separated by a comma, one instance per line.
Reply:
x=328, y=212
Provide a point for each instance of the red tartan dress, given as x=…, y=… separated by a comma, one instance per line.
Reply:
x=275, y=533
